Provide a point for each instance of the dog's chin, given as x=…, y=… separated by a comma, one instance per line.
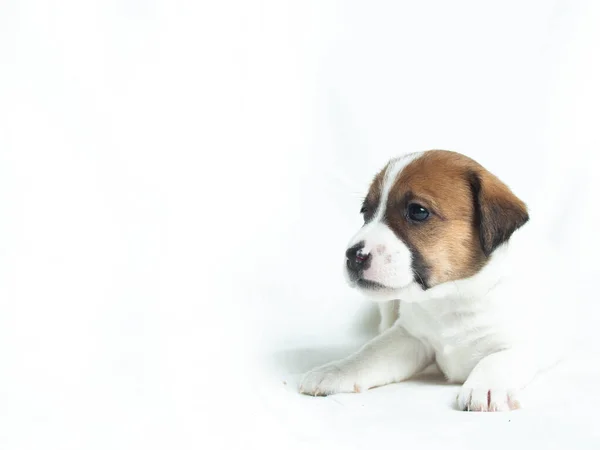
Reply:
x=375, y=291
x=379, y=292
x=368, y=285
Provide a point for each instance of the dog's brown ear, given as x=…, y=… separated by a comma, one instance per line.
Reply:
x=498, y=212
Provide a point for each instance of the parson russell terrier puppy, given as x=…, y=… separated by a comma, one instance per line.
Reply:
x=450, y=255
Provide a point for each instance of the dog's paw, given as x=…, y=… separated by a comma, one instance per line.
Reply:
x=330, y=379
x=487, y=400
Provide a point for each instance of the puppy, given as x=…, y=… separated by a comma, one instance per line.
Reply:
x=445, y=250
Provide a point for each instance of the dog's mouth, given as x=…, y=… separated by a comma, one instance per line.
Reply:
x=356, y=280
x=370, y=285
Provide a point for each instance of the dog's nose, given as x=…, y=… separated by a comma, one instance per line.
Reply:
x=355, y=258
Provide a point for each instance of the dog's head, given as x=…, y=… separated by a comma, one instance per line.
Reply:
x=430, y=218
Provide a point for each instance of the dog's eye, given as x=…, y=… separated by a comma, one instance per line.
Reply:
x=363, y=210
x=417, y=212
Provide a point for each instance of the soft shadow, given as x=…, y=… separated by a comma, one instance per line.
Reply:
x=300, y=360
x=366, y=320
x=432, y=376
x=363, y=328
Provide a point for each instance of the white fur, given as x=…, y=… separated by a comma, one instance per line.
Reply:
x=493, y=332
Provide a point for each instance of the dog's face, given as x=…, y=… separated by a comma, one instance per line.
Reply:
x=430, y=218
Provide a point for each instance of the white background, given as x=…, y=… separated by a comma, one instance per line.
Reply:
x=178, y=181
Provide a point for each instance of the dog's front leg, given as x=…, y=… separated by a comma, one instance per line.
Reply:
x=392, y=356
x=388, y=312
x=495, y=382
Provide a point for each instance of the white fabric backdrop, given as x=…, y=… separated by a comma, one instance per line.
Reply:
x=178, y=181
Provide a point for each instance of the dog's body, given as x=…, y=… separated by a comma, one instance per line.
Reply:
x=449, y=253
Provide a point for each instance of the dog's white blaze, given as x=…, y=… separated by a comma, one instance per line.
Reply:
x=395, y=167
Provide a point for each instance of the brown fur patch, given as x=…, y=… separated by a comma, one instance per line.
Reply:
x=471, y=213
